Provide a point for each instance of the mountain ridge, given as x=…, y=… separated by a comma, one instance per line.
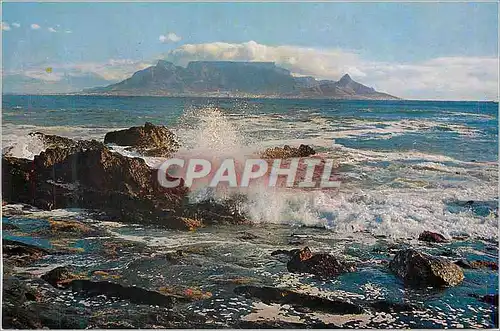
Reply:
x=235, y=79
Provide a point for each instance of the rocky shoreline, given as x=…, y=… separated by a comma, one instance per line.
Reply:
x=77, y=272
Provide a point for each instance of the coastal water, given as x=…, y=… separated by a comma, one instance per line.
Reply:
x=405, y=166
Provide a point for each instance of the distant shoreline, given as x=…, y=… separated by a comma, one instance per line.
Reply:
x=238, y=97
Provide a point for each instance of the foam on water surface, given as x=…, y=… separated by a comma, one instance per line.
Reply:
x=385, y=190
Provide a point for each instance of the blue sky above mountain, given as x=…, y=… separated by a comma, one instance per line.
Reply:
x=413, y=50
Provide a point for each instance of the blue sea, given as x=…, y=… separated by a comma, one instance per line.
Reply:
x=405, y=167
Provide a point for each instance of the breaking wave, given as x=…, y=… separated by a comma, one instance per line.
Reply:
x=389, y=192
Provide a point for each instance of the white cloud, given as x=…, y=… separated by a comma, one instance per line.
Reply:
x=42, y=74
x=113, y=70
x=35, y=26
x=170, y=37
x=445, y=78
x=16, y=25
x=52, y=30
x=457, y=78
x=5, y=26
x=68, y=31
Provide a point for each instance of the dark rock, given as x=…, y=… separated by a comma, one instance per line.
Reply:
x=149, y=140
x=484, y=264
x=477, y=264
x=91, y=176
x=431, y=237
x=10, y=227
x=285, y=252
x=147, y=318
x=21, y=310
x=420, y=269
x=19, y=253
x=276, y=324
x=270, y=295
x=321, y=265
x=131, y=293
x=491, y=299
x=464, y=264
x=71, y=228
x=390, y=307
x=288, y=152
x=213, y=213
x=59, y=276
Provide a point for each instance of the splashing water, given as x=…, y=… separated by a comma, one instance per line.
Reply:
x=386, y=189
x=209, y=134
x=25, y=147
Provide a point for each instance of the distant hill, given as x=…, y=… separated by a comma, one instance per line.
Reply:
x=234, y=79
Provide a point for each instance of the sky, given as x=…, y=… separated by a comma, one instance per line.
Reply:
x=445, y=51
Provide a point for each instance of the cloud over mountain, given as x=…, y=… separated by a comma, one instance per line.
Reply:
x=69, y=77
x=444, y=78
x=466, y=78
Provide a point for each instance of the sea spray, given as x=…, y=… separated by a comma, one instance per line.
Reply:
x=25, y=147
x=207, y=133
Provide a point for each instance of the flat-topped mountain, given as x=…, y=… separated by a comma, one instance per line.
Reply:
x=234, y=79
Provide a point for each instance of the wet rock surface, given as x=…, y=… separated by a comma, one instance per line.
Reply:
x=118, y=263
x=137, y=276
x=288, y=152
x=87, y=174
x=18, y=253
x=320, y=264
x=23, y=308
x=477, y=264
x=491, y=299
x=131, y=293
x=148, y=140
x=59, y=277
x=431, y=237
x=283, y=296
x=420, y=269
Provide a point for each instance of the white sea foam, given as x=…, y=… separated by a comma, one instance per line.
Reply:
x=17, y=142
x=393, y=211
x=24, y=147
x=410, y=195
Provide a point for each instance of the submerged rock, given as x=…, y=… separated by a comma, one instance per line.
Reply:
x=321, y=264
x=147, y=317
x=18, y=253
x=420, y=269
x=491, y=299
x=290, y=253
x=131, y=293
x=22, y=309
x=288, y=152
x=59, y=276
x=277, y=324
x=270, y=295
x=477, y=264
x=149, y=140
x=431, y=237
x=71, y=227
